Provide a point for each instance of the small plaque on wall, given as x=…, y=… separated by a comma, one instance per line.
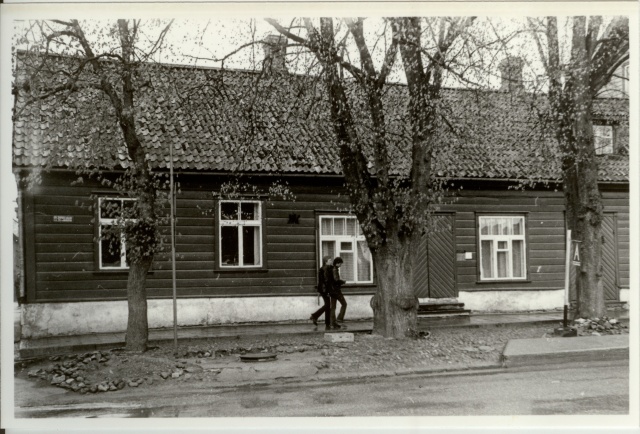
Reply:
x=63, y=219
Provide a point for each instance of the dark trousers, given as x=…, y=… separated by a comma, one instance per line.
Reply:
x=326, y=308
x=343, y=307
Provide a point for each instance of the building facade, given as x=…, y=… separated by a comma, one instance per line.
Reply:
x=499, y=243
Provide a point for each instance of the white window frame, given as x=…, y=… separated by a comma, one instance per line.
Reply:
x=111, y=222
x=498, y=238
x=239, y=223
x=597, y=132
x=339, y=239
x=625, y=79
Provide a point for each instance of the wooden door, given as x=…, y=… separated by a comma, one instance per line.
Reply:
x=610, y=271
x=610, y=258
x=434, y=267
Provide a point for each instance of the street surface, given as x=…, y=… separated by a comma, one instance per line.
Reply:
x=596, y=388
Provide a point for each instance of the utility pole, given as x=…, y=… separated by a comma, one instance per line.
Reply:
x=173, y=249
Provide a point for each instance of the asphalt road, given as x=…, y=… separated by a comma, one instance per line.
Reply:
x=595, y=388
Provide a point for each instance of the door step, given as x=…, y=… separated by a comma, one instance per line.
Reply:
x=436, y=310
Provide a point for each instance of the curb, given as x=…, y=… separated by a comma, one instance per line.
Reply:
x=353, y=376
x=531, y=352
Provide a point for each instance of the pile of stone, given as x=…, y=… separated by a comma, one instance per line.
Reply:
x=181, y=369
x=599, y=326
x=68, y=374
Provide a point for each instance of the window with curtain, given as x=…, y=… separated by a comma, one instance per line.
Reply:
x=240, y=234
x=341, y=236
x=502, y=247
x=112, y=248
x=603, y=139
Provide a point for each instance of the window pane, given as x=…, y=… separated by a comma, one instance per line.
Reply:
x=111, y=250
x=517, y=226
x=329, y=249
x=364, y=262
x=495, y=227
x=502, y=245
x=249, y=211
x=251, y=245
x=110, y=209
x=229, y=211
x=338, y=226
x=346, y=246
x=486, y=251
x=503, y=266
x=129, y=208
x=347, y=269
x=518, y=258
x=503, y=227
x=351, y=227
x=603, y=138
x=484, y=226
x=229, y=245
x=326, y=226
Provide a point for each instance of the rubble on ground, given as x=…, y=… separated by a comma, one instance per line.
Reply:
x=439, y=348
x=599, y=326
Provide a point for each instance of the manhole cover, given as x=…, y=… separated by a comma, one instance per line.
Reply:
x=258, y=357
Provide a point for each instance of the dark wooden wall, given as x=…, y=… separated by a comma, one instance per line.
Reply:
x=546, y=236
x=60, y=258
x=63, y=257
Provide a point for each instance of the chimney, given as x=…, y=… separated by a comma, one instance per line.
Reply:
x=511, y=72
x=275, y=50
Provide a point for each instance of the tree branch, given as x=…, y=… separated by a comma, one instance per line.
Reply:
x=536, y=37
x=313, y=46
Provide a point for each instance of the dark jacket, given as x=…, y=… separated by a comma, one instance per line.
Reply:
x=323, y=283
x=334, y=282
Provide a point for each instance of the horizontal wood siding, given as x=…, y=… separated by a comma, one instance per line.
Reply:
x=64, y=252
x=544, y=212
x=61, y=260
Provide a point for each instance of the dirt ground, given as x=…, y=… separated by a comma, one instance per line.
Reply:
x=101, y=371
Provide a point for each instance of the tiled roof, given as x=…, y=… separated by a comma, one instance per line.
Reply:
x=245, y=121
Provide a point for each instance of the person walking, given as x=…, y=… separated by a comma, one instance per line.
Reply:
x=335, y=286
x=323, y=290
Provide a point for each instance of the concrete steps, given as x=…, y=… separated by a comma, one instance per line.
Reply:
x=442, y=310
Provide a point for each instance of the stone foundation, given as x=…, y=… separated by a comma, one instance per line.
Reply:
x=40, y=320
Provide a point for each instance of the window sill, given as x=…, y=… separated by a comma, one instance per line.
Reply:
x=123, y=272
x=358, y=285
x=240, y=270
x=509, y=281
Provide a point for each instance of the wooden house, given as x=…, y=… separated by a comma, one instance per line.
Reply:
x=254, y=257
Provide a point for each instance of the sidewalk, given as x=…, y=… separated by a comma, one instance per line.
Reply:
x=69, y=344
x=519, y=352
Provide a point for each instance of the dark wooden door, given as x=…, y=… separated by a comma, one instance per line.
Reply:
x=610, y=257
x=609, y=261
x=434, y=272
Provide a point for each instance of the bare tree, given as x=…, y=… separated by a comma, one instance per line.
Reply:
x=89, y=79
x=392, y=209
x=596, y=51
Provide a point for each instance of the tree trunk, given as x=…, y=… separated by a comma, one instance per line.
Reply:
x=395, y=305
x=137, y=325
x=580, y=174
x=584, y=218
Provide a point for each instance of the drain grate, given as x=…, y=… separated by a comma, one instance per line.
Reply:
x=258, y=357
